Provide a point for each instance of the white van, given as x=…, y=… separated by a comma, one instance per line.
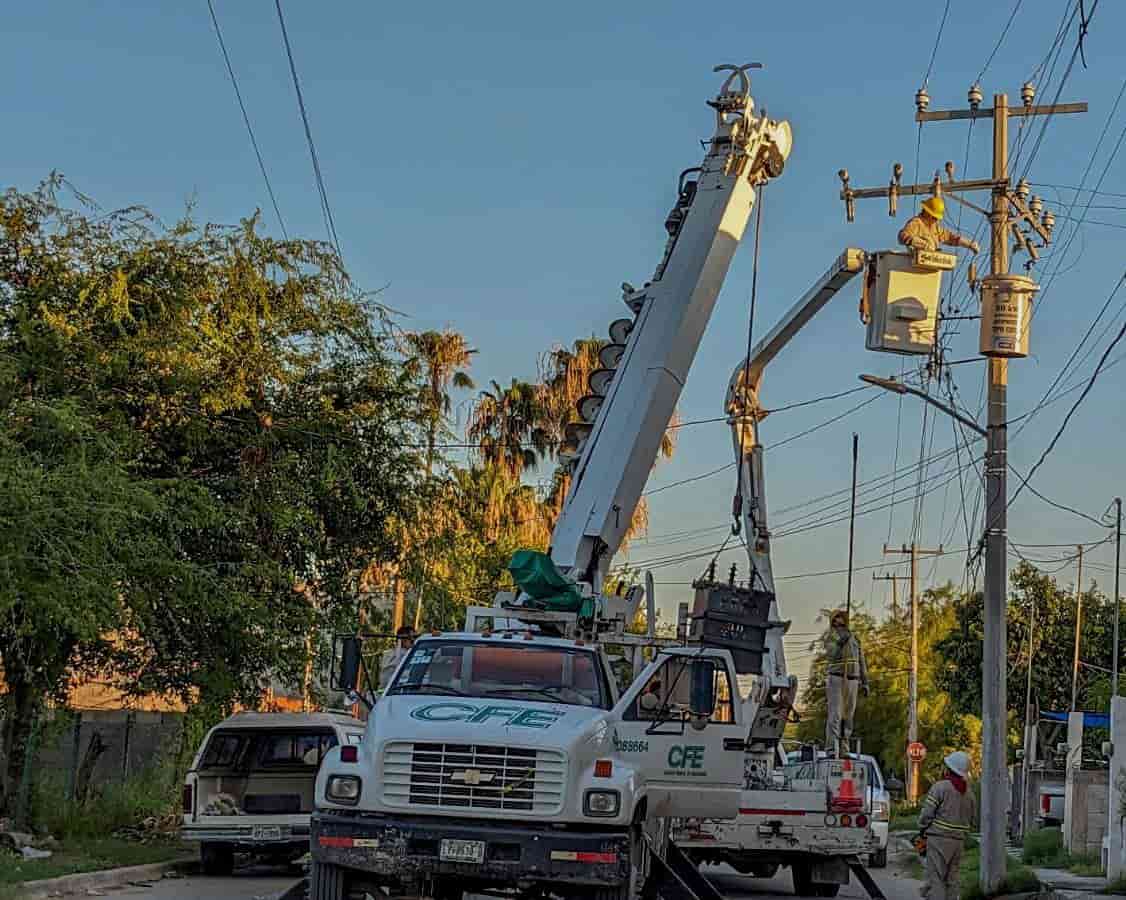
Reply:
x=250, y=787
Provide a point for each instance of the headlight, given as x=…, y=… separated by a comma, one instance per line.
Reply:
x=344, y=789
x=880, y=811
x=602, y=803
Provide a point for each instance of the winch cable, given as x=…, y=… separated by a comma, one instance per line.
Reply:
x=737, y=502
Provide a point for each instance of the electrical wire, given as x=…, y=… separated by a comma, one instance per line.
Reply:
x=246, y=119
x=326, y=209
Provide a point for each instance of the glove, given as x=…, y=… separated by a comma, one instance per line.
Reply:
x=974, y=247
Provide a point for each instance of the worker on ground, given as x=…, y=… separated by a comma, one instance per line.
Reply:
x=949, y=814
x=925, y=231
x=404, y=640
x=846, y=675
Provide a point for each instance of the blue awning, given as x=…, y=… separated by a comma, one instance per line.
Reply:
x=1090, y=719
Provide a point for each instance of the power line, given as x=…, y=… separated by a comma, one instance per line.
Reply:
x=1000, y=40
x=937, y=40
x=246, y=119
x=326, y=210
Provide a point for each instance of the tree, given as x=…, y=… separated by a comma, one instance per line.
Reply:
x=961, y=651
x=439, y=358
x=200, y=428
x=881, y=718
x=507, y=425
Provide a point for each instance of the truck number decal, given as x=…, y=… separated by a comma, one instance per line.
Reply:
x=502, y=715
x=630, y=746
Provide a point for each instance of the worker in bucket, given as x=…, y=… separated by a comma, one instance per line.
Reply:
x=949, y=814
x=846, y=675
x=925, y=231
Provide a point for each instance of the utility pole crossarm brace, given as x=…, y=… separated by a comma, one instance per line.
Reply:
x=945, y=115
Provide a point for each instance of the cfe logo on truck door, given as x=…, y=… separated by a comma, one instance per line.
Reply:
x=686, y=760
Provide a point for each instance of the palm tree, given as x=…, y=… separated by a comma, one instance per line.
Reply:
x=507, y=425
x=439, y=359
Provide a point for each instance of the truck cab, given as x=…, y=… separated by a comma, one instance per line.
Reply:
x=507, y=760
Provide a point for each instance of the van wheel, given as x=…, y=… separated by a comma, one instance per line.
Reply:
x=639, y=871
x=217, y=860
x=326, y=882
x=879, y=859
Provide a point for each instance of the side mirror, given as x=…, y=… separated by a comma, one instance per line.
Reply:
x=348, y=672
x=703, y=689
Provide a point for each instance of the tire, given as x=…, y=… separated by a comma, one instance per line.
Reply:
x=217, y=860
x=764, y=870
x=326, y=882
x=879, y=859
x=825, y=889
x=803, y=879
x=639, y=871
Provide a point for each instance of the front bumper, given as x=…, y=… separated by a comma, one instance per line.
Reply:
x=403, y=850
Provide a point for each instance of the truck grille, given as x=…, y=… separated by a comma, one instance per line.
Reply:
x=473, y=776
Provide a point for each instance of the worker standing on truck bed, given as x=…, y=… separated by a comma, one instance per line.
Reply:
x=949, y=814
x=925, y=231
x=847, y=674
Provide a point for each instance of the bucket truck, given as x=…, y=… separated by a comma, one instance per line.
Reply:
x=810, y=812
x=503, y=757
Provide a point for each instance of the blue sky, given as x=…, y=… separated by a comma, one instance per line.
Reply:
x=503, y=167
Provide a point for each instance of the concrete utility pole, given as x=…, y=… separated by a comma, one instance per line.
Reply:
x=913, y=703
x=1007, y=212
x=1078, y=630
x=1117, y=593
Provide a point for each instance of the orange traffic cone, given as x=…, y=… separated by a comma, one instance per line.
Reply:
x=848, y=798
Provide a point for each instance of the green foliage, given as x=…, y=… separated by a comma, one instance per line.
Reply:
x=205, y=439
x=1044, y=847
x=83, y=855
x=1054, y=628
x=153, y=792
x=881, y=723
x=1018, y=877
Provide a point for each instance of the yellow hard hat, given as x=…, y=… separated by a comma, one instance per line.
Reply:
x=935, y=206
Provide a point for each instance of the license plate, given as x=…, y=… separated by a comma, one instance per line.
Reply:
x=462, y=851
x=267, y=833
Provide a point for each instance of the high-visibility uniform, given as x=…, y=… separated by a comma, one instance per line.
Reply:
x=948, y=816
x=924, y=233
x=847, y=673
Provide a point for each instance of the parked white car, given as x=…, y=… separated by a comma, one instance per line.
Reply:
x=250, y=788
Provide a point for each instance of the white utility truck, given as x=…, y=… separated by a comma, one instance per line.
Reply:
x=503, y=758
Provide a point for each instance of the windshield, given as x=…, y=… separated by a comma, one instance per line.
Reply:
x=523, y=671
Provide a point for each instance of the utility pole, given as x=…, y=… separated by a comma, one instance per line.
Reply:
x=1007, y=212
x=894, y=579
x=1078, y=629
x=1117, y=593
x=913, y=702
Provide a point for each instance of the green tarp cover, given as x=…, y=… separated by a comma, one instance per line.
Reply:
x=539, y=578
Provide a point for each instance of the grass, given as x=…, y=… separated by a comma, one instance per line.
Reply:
x=1018, y=877
x=1118, y=886
x=152, y=793
x=86, y=855
x=1044, y=848
x=905, y=818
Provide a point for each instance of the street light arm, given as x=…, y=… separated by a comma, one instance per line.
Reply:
x=898, y=387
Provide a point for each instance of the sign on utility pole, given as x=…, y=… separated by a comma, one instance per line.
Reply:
x=1006, y=315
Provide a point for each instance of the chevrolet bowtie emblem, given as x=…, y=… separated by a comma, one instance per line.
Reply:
x=473, y=776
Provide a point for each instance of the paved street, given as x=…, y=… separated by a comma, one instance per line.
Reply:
x=267, y=884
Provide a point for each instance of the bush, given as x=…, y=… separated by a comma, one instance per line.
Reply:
x=1044, y=847
x=1018, y=879
x=153, y=792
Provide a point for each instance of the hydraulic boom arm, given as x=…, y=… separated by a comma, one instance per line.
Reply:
x=634, y=401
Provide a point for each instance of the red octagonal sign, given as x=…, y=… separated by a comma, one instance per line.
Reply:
x=916, y=752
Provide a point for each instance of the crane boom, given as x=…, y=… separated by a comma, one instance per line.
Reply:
x=671, y=312
x=771, y=694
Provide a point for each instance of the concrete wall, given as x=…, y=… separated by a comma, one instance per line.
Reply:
x=1088, y=818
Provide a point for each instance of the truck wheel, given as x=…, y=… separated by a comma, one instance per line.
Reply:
x=326, y=882
x=879, y=859
x=639, y=871
x=217, y=860
x=764, y=870
x=803, y=879
x=824, y=889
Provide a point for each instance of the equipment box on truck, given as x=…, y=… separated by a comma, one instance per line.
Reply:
x=250, y=787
